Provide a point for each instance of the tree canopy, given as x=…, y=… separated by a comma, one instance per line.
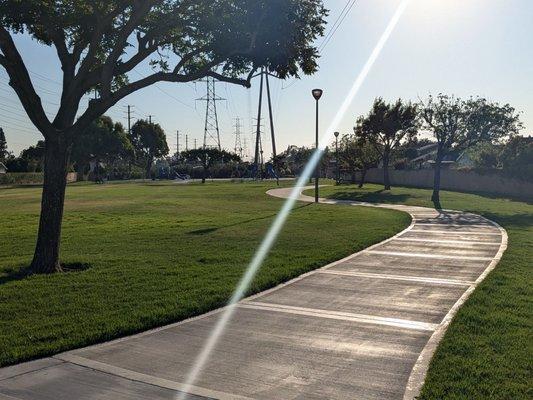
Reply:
x=386, y=126
x=149, y=141
x=460, y=124
x=100, y=43
x=207, y=157
x=3, y=146
x=103, y=141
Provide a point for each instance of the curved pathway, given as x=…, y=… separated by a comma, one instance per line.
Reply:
x=364, y=327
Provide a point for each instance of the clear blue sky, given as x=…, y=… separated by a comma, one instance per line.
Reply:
x=461, y=47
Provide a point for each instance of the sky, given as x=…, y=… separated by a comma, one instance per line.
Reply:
x=461, y=47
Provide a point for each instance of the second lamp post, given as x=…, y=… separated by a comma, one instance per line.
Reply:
x=317, y=93
x=337, y=174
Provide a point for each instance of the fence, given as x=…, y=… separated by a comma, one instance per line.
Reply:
x=29, y=178
x=456, y=180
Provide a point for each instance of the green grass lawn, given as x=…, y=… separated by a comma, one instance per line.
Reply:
x=487, y=352
x=158, y=253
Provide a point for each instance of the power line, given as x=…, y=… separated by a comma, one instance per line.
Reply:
x=335, y=22
x=165, y=92
x=10, y=99
x=44, y=78
x=335, y=28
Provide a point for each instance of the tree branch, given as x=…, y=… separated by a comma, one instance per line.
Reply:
x=20, y=81
x=99, y=106
x=139, y=12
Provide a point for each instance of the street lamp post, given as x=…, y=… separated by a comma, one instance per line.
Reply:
x=337, y=157
x=317, y=93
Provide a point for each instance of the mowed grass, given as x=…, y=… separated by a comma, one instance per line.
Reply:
x=487, y=352
x=158, y=253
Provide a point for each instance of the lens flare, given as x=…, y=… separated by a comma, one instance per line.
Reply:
x=281, y=217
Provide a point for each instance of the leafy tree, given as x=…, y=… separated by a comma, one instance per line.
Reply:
x=208, y=157
x=31, y=159
x=458, y=125
x=293, y=160
x=517, y=156
x=34, y=156
x=3, y=146
x=385, y=127
x=356, y=153
x=409, y=149
x=149, y=141
x=16, y=164
x=99, y=43
x=103, y=141
x=485, y=155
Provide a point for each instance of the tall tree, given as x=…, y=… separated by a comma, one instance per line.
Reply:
x=459, y=124
x=355, y=154
x=517, y=156
x=385, y=127
x=103, y=141
x=3, y=146
x=98, y=43
x=34, y=156
x=208, y=157
x=149, y=142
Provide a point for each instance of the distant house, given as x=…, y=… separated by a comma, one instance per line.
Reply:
x=3, y=168
x=464, y=160
x=426, y=158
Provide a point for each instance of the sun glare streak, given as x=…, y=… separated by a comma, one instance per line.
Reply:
x=284, y=212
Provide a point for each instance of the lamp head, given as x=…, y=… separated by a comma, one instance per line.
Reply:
x=317, y=93
x=336, y=134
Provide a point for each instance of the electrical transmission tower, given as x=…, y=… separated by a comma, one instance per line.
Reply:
x=211, y=130
x=245, y=148
x=238, y=144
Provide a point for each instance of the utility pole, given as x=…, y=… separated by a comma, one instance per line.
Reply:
x=258, y=160
x=186, y=142
x=129, y=119
x=195, y=145
x=258, y=128
x=177, y=144
x=150, y=119
x=211, y=130
x=270, y=117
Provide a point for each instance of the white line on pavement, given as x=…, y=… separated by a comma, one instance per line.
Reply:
x=421, y=279
x=456, y=232
x=428, y=255
x=448, y=241
x=144, y=378
x=338, y=315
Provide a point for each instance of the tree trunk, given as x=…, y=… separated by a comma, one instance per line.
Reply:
x=46, y=256
x=363, y=176
x=435, y=197
x=204, y=176
x=386, y=181
x=149, y=163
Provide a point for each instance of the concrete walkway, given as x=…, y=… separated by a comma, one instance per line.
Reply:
x=364, y=327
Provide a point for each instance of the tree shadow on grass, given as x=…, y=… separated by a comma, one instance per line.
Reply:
x=22, y=272
x=517, y=220
x=378, y=196
x=205, y=231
